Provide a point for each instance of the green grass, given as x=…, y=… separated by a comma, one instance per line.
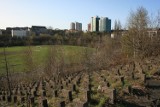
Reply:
x=16, y=56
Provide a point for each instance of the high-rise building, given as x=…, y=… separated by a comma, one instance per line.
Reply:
x=72, y=26
x=95, y=24
x=104, y=24
x=78, y=26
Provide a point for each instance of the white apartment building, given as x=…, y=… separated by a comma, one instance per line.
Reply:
x=20, y=32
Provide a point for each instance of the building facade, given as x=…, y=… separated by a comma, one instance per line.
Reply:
x=39, y=30
x=20, y=32
x=109, y=25
x=89, y=27
x=104, y=24
x=95, y=24
x=16, y=31
x=78, y=26
x=72, y=26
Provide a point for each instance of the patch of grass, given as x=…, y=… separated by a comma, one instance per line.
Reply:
x=16, y=60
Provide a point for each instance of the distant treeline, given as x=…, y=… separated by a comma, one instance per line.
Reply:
x=70, y=38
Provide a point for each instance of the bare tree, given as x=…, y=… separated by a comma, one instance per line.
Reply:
x=158, y=19
x=55, y=63
x=154, y=20
x=87, y=57
x=30, y=63
x=51, y=61
x=7, y=70
x=28, y=56
x=136, y=41
x=117, y=25
x=117, y=29
x=61, y=60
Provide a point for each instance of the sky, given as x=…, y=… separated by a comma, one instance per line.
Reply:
x=60, y=13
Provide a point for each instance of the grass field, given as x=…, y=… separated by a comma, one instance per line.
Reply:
x=16, y=56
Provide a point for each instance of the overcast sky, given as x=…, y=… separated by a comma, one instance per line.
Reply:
x=60, y=13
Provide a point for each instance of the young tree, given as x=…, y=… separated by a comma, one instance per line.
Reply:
x=28, y=56
x=155, y=20
x=30, y=63
x=51, y=61
x=136, y=41
x=55, y=65
x=7, y=70
x=117, y=25
x=158, y=18
x=117, y=28
x=61, y=60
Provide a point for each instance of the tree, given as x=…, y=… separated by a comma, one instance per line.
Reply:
x=51, y=61
x=32, y=68
x=155, y=20
x=7, y=70
x=58, y=39
x=117, y=25
x=136, y=41
x=28, y=56
x=139, y=19
x=55, y=64
x=158, y=19
x=117, y=28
